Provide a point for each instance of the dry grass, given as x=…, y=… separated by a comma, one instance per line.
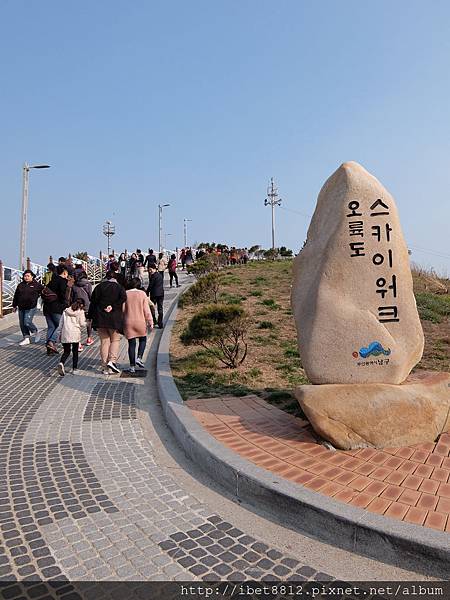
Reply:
x=273, y=366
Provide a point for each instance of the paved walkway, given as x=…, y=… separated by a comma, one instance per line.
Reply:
x=92, y=487
x=410, y=484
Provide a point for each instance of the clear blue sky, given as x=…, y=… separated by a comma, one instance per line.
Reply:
x=198, y=103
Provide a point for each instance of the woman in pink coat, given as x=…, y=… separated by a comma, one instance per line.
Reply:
x=137, y=317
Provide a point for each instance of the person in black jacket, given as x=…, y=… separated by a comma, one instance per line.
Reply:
x=55, y=303
x=25, y=300
x=150, y=260
x=106, y=312
x=156, y=292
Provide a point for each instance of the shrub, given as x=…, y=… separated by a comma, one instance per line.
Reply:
x=256, y=293
x=205, y=289
x=265, y=325
x=204, y=265
x=221, y=330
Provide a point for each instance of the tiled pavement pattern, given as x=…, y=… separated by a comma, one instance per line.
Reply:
x=411, y=483
x=82, y=496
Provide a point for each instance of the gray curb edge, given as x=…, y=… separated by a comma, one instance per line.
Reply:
x=353, y=529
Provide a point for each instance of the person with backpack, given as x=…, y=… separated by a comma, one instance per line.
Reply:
x=82, y=290
x=106, y=313
x=156, y=292
x=137, y=317
x=56, y=298
x=25, y=301
x=172, y=268
x=69, y=333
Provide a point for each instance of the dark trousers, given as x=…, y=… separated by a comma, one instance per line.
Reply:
x=159, y=300
x=66, y=354
x=172, y=275
x=132, y=349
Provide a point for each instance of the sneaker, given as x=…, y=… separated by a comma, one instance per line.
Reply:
x=140, y=363
x=114, y=368
x=131, y=370
x=105, y=371
x=25, y=341
x=80, y=347
x=51, y=348
x=61, y=370
x=89, y=342
x=74, y=371
x=37, y=337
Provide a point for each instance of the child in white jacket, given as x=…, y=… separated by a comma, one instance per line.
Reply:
x=72, y=323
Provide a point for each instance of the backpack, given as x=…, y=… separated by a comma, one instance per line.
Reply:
x=48, y=295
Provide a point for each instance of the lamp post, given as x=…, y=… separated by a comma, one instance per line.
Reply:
x=24, y=221
x=161, y=206
x=166, y=235
x=273, y=201
x=109, y=230
x=186, y=221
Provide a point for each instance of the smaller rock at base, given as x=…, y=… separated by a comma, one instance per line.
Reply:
x=379, y=415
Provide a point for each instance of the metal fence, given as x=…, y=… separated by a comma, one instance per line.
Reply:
x=10, y=278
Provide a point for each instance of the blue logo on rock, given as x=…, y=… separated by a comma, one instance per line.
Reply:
x=374, y=349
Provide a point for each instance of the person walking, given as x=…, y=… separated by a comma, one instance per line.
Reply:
x=140, y=265
x=25, y=301
x=150, y=260
x=123, y=265
x=162, y=263
x=69, y=333
x=132, y=266
x=156, y=292
x=82, y=290
x=55, y=297
x=183, y=259
x=137, y=317
x=172, y=268
x=51, y=268
x=106, y=313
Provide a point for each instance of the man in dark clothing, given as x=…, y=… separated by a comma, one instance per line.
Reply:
x=150, y=260
x=25, y=299
x=106, y=312
x=156, y=292
x=54, y=304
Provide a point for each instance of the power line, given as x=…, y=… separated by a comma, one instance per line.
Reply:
x=436, y=253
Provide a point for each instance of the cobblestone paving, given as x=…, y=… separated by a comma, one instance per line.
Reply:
x=83, y=498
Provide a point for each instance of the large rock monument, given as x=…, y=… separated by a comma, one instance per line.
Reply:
x=358, y=328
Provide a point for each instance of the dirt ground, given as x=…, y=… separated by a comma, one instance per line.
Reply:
x=273, y=367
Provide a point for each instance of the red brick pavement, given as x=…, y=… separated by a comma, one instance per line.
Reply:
x=410, y=483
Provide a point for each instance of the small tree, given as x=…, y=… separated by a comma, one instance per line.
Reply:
x=285, y=251
x=221, y=330
x=205, y=289
x=81, y=256
x=204, y=265
x=271, y=254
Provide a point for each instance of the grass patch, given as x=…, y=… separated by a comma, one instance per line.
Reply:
x=256, y=293
x=433, y=307
x=270, y=303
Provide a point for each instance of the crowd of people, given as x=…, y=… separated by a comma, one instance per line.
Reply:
x=127, y=302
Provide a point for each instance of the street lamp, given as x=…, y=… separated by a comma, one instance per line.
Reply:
x=186, y=221
x=161, y=206
x=23, y=229
x=166, y=235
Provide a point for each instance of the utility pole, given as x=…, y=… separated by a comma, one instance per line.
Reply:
x=186, y=221
x=109, y=230
x=272, y=200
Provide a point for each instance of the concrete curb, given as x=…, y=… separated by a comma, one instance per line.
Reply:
x=353, y=529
